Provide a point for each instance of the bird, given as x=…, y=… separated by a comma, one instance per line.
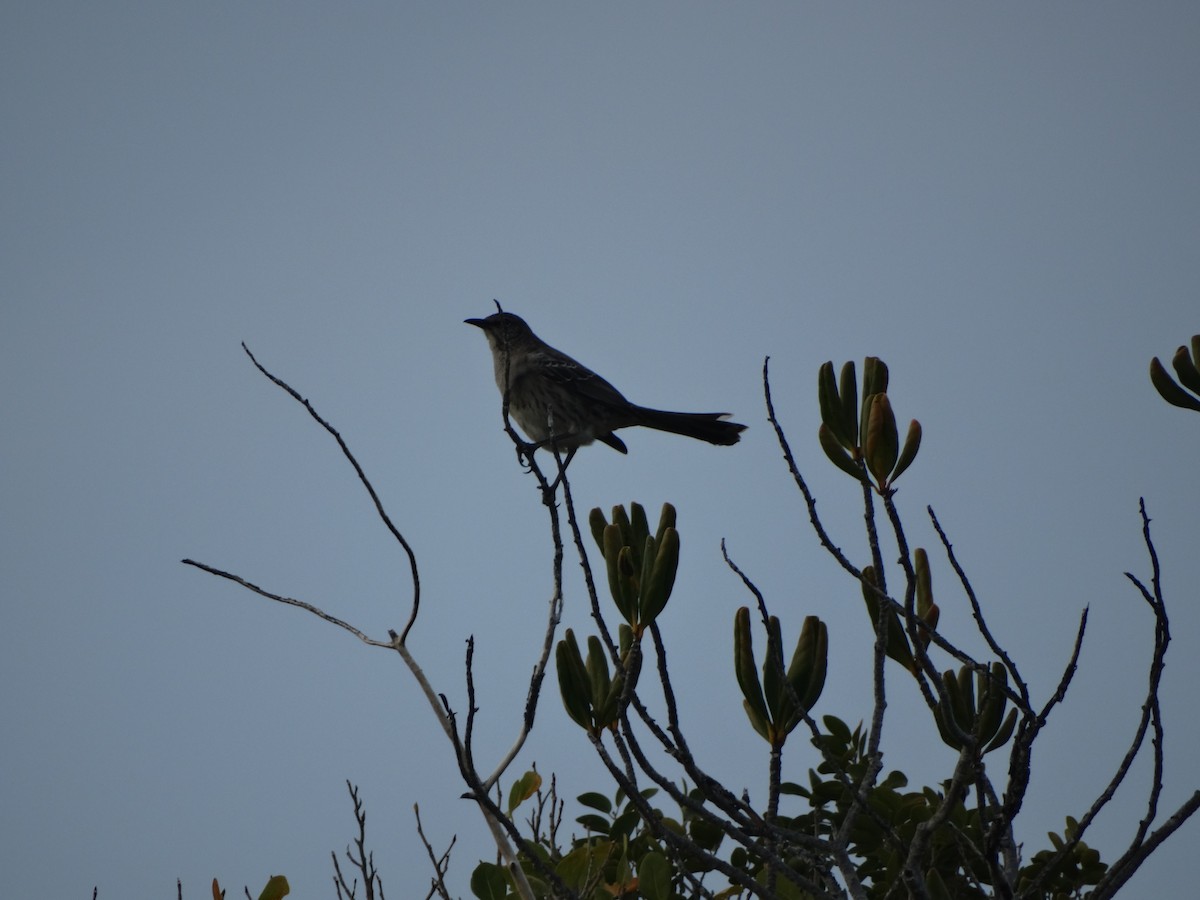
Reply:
x=562, y=404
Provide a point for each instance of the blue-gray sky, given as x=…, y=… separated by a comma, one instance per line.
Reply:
x=1001, y=201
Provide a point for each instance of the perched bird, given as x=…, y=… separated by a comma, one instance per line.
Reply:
x=559, y=402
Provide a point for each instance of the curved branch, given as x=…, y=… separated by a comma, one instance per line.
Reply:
x=1122, y=870
x=1140, y=846
x=290, y=601
x=412, y=557
x=809, y=499
x=977, y=612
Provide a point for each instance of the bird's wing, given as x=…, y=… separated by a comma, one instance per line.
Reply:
x=560, y=367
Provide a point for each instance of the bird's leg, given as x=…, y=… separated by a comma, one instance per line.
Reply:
x=562, y=467
x=525, y=451
x=554, y=441
x=548, y=491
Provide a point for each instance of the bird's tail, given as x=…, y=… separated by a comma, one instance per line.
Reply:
x=710, y=427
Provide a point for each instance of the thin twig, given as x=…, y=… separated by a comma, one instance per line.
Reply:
x=1029, y=727
x=1129, y=862
x=441, y=864
x=504, y=832
x=363, y=861
x=977, y=612
x=290, y=601
x=1151, y=718
x=384, y=517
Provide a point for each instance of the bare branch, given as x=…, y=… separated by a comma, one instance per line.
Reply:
x=1151, y=718
x=977, y=612
x=384, y=517
x=749, y=585
x=441, y=864
x=504, y=832
x=363, y=861
x=809, y=500
x=1129, y=862
x=290, y=601
x=1068, y=674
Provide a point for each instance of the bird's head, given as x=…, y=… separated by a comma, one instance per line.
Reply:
x=504, y=329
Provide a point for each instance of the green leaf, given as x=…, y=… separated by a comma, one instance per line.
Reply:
x=582, y=864
x=958, y=712
x=654, y=877
x=607, y=709
x=848, y=394
x=1185, y=368
x=612, y=551
x=620, y=518
x=927, y=610
x=593, y=823
x=924, y=581
x=625, y=824
x=779, y=704
x=746, y=671
x=647, y=793
x=489, y=881
x=837, y=453
x=523, y=788
x=831, y=406
x=897, y=640
x=806, y=672
x=597, y=524
x=966, y=687
x=1005, y=732
x=1168, y=389
x=624, y=639
x=875, y=376
x=666, y=519
x=837, y=729
x=881, y=446
x=592, y=800
x=639, y=531
x=573, y=681
x=875, y=379
x=992, y=701
x=645, y=570
x=276, y=889
x=656, y=591
x=758, y=721
x=599, y=682
x=788, y=890
x=912, y=443
x=936, y=887
x=707, y=835
x=627, y=584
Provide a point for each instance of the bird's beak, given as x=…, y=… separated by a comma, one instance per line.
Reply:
x=478, y=323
